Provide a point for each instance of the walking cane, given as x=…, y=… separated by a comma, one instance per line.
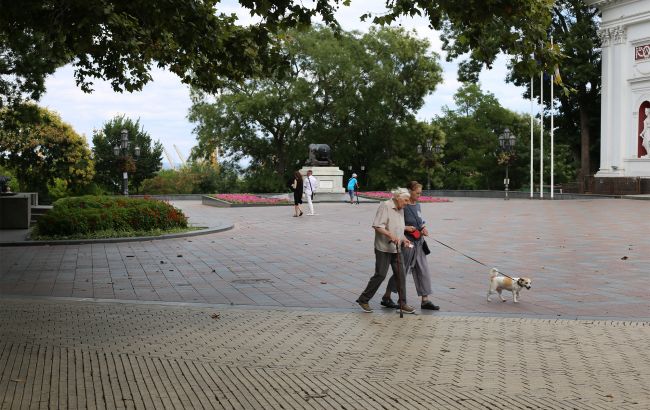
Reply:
x=400, y=291
x=357, y=193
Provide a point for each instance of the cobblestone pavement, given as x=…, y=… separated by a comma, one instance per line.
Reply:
x=128, y=325
x=61, y=354
x=587, y=258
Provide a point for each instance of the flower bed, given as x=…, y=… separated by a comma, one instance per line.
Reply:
x=388, y=195
x=250, y=199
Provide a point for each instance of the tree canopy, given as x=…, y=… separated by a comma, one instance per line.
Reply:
x=574, y=31
x=110, y=167
x=357, y=93
x=39, y=147
x=471, y=156
x=120, y=40
x=483, y=29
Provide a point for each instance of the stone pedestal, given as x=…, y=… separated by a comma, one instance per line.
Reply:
x=15, y=211
x=330, y=179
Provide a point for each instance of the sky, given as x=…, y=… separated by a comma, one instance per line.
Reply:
x=163, y=104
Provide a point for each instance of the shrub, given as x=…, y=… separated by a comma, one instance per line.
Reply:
x=193, y=179
x=89, y=214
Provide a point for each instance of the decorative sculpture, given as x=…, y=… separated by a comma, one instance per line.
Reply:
x=4, y=184
x=319, y=155
x=645, y=134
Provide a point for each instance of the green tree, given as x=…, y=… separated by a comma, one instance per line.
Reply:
x=483, y=29
x=120, y=40
x=110, y=167
x=471, y=158
x=197, y=178
x=573, y=26
x=38, y=147
x=357, y=93
x=574, y=31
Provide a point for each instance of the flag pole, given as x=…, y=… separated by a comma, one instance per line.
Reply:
x=552, y=132
x=532, y=137
x=541, y=135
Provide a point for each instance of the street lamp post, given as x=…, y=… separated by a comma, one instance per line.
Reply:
x=437, y=150
x=429, y=150
x=363, y=171
x=507, y=144
x=122, y=150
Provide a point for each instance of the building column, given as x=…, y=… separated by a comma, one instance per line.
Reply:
x=605, y=102
x=619, y=113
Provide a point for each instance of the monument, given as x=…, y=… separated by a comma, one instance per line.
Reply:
x=625, y=104
x=330, y=177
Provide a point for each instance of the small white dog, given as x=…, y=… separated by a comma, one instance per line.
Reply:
x=498, y=282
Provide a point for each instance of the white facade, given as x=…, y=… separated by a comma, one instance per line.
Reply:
x=625, y=36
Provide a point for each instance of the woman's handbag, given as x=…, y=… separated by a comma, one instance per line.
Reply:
x=425, y=248
x=416, y=234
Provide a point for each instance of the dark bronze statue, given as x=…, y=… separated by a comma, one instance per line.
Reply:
x=319, y=155
x=4, y=184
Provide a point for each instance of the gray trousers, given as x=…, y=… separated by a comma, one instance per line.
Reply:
x=415, y=262
x=382, y=261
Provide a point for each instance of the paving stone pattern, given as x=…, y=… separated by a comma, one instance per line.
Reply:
x=128, y=325
x=61, y=354
x=587, y=258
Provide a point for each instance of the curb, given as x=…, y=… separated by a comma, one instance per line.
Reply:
x=222, y=228
x=641, y=320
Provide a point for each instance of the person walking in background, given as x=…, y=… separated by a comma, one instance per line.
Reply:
x=353, y=185
x=389, y=233
x=297, y=188
x=310, y=185
x=415, y=258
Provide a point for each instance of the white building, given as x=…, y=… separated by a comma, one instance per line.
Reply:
x=625, y=110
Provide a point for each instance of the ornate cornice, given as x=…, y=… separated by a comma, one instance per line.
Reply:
x=605, y=37
x=612, y=35
x=604, y=3
x=619, y=34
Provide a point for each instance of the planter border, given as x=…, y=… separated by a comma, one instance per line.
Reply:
x=220, y=203
x=216, y=229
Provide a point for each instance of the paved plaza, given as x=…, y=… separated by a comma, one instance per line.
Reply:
x=263, y=315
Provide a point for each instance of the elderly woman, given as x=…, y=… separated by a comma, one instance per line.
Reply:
x=389, y=233
x=415, y=258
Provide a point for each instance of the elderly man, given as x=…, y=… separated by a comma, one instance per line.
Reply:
x=389, y=233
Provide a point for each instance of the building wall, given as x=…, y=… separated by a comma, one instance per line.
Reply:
x=625, y=27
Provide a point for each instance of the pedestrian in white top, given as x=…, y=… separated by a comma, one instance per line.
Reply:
x=310, y=185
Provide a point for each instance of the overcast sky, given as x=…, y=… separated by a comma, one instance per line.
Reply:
x=163, y=104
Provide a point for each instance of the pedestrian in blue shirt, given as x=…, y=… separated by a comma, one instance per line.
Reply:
x=353, y=185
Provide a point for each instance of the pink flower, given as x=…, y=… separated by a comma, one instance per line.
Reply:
x=249, y=199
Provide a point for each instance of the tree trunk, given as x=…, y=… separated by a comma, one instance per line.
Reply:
x=585, y=166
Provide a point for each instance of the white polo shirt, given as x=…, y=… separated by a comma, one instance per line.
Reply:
x=391, y=219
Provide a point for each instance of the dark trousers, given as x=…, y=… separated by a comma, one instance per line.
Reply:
x=382, y=261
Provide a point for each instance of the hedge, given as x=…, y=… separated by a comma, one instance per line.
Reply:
x=88, y=214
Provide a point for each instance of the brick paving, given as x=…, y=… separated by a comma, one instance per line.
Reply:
x=587, y=258
x=57, y=354
x=128, y=325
